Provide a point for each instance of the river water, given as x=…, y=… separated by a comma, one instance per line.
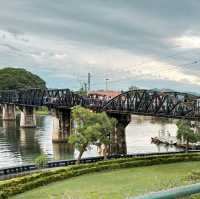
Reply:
x=21, y=146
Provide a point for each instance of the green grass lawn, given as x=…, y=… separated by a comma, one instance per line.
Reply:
x=116, y=184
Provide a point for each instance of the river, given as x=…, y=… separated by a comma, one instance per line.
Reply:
x=21, y=146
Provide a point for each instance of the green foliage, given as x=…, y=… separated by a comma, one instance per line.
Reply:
x=42, y=111
x=90, y=129
x=131, y=88
x=86, y=130
x=22, y=184
x=186, y=133
x=17, y=78
x=41, y=161
x=107, y=126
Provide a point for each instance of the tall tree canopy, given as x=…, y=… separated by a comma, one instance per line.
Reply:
x=107, y=125
x=90, y=129
x=17, y=78
x=186, y=133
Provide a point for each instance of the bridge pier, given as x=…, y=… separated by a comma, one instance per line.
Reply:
x=118, y=137
x=61, y=125
x=27, y=117
x=9, y=112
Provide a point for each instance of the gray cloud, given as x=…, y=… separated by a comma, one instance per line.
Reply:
x=115, y=38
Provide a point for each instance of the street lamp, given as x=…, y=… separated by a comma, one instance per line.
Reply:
x=107, y=83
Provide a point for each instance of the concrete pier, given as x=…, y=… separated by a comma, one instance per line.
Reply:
x=61, y=125
x=27, y=117
x=118, y=137
x=9, y=112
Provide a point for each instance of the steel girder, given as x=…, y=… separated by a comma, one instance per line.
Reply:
x=141, y=102
x=62, y=98
x=154, y=103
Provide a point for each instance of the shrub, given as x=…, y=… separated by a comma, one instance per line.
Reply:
x=41, y=161
x=22, y=184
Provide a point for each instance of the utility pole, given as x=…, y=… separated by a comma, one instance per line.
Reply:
x=89, y=81
x=85, y=87
x=107, y=83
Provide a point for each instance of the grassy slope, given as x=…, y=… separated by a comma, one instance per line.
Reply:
x=116, y=184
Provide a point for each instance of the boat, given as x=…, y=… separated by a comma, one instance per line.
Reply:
x=164, y=137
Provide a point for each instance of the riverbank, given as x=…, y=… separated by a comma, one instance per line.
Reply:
x=42, y=111
x=117, y=184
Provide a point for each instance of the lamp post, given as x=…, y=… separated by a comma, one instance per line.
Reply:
x=107, y=83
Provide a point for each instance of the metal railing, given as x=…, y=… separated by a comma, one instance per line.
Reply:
x=173, y=193
x=52, y=164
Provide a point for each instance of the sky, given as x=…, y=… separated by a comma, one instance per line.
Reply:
x=146, y=43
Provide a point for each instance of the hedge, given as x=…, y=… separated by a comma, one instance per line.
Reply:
x=25, y=183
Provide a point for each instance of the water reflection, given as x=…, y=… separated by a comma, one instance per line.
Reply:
x=18, y=145
x=142, y=128
x=63, y=151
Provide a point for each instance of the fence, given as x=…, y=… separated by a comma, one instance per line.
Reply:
x=173, y=193
x=52, y=164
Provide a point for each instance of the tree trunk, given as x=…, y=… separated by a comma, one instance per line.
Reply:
x=187, y=146
x=79, y=156
x=105, y=150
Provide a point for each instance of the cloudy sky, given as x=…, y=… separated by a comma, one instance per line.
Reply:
x=146, y=43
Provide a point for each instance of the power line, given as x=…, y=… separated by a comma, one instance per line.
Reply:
x=128, y=79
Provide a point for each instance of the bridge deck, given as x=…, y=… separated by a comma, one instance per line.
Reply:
x=139, y=102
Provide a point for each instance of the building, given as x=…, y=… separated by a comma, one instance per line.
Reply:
x=102, y=94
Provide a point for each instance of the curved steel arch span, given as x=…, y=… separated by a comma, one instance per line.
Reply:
x=140, y=102
x=154, y=103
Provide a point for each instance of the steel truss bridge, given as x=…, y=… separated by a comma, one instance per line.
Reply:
x=139, y=102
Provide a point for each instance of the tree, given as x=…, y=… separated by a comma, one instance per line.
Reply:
x=90, y=128
x=86, y=130
x=131, y=88
x=18, y=78
x=107, y=126
x=186, y=133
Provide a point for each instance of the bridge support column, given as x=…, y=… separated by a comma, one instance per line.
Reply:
x=9, y=112
x=118, y=137
x=27, y=117
x=61, y=125
x=1, y=110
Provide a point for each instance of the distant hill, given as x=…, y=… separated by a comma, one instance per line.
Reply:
x=18, y=78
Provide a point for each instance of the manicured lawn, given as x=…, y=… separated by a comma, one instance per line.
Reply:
x=118, y=184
